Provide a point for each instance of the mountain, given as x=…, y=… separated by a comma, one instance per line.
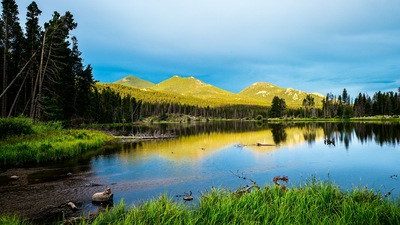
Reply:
x=189, y=90
x=135, y=82
x=266, y=92
x=192, y=87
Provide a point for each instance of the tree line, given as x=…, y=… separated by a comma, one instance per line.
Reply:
x=42, y=73
x=341, y=106
x=43, y=76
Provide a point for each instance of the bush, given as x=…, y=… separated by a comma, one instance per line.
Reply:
x=15, y=127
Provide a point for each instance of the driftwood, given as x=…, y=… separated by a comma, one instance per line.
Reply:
x=147, y=137
x=264, y=144
x=246, y=189
x=106, y=196
x=277, y=180
x=257, y=144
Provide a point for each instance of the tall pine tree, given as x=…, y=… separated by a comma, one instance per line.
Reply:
x=12, y=52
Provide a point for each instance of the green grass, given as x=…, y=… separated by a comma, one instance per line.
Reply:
x=315, y=203
x=47, y=142
x=12, y=220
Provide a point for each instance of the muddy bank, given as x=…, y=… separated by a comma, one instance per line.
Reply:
x=42, y=194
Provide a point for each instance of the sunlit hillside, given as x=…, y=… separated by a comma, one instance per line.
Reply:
x=191, y=86
x=135, y=82
x=154, y=96
x=191, y=91
x=266, y=92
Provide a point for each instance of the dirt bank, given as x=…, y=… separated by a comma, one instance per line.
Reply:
x=42, y=194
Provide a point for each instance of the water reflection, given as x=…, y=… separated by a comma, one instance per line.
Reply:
x=279, y=133
x=380, y=133
x=196, y=147
x=205, y=154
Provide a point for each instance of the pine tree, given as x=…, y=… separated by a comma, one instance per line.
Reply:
x=32, y=47
x=309, y=104
x=278, y=107
x=12, y=52
x=55, y=77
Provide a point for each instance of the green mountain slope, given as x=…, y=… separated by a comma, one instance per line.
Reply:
x=191, y=86
x=192, y=91
x=266, y=92
x=135, y=82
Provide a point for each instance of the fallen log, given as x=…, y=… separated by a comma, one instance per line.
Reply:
x=264, y=144
x=146, y=137
x=246, y=189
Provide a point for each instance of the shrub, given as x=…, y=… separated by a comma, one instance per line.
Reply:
x=259, y=118
x=15, y=127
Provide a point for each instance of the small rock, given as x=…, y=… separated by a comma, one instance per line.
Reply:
x=106, y=196
x=14, y=177
x=69, y=174
x=188, y=198
x=72, y=206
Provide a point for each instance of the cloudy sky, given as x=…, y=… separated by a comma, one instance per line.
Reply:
x=312, y=45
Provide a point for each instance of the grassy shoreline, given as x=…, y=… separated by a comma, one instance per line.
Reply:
x=43, y=142
x=148, y=122
x=313, y=203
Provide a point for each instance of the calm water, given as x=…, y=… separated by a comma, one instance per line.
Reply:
x=209, y=155
x=364, y=154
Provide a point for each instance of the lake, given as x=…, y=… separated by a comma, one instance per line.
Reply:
x=214, y=155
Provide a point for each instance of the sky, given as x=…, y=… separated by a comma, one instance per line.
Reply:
x=310, y=45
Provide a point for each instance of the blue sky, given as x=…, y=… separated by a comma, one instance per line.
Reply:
x=312, y=45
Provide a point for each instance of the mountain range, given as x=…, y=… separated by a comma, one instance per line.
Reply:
x=260, y=93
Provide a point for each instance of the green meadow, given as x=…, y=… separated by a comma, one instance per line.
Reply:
x=23, y=142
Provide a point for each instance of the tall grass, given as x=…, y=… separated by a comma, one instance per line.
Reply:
x=314, y=203
x=12, y=220
x=15, y=127
x=45, y=142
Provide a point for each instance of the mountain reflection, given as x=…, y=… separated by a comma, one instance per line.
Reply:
x=201, y=140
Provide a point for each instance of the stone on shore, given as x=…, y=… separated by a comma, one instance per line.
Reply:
x=105, y=196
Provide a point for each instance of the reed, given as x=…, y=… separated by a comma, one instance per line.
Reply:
x=12, y=220
x=313, y=203
x=48, y=142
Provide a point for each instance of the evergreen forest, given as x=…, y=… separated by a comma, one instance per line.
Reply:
x=43, y=77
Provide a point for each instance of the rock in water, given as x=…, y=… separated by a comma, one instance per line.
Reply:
x=72, y=206
x=14, y=177
x=106, y=196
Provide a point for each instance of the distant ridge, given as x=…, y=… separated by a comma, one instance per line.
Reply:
x=260, y=93
x=266, y=92
x=192, y=87
x=135, y=82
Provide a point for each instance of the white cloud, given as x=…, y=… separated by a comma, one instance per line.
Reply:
x=286, y=41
